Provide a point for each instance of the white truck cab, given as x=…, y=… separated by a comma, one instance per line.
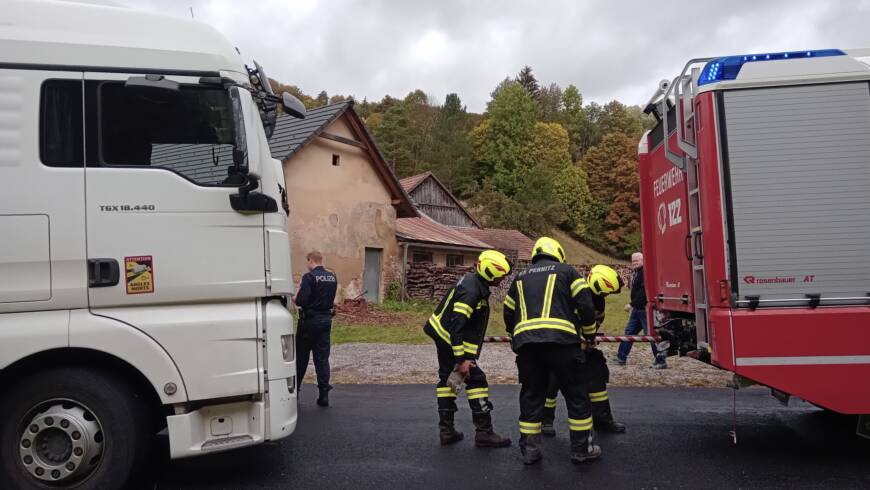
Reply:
x=144, y=255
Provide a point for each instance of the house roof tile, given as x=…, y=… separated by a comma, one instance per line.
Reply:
x=426, y=230
x=504, y=240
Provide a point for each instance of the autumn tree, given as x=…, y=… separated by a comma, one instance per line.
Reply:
x=322, y=98
x=500, y=142
x=550, y=103
x=611, y=167
x=616, y=117
x=572, y=192
x=449, y=154
x=575, y=120
x=528, y=81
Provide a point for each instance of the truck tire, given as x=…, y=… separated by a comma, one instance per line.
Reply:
x=73, y=427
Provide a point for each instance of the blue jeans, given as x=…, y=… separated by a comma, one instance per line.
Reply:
x=636, y=323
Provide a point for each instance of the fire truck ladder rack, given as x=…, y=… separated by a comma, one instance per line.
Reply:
x=685, y=88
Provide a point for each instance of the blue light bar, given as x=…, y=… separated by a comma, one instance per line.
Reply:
x=728, y=67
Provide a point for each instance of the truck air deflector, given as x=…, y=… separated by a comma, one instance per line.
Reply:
x=728, y=67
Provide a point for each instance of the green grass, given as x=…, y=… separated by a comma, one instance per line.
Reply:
x=384, y=334
x=580, y=253
x=415, y=306
x=407, y=327
x=413, y=314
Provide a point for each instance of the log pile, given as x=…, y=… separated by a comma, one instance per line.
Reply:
x=425, y=280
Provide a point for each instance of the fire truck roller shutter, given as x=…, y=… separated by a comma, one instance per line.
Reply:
x=799, y=163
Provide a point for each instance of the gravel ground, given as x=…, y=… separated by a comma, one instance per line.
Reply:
x=405, y=364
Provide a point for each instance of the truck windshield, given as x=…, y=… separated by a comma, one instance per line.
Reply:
x=190, y=133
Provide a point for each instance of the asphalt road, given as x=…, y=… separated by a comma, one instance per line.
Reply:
x=386, y=437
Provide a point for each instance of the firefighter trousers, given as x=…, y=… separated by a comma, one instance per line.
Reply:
x=597, y=377
x=476, y=386
x=568, y=366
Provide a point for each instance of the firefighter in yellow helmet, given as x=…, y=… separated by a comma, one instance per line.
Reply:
x=545, y=312
x=602, y=280
x=457, y=327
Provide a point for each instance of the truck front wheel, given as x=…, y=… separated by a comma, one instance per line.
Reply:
x=74, y=427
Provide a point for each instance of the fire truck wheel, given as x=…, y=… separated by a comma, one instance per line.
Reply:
x=72, y=427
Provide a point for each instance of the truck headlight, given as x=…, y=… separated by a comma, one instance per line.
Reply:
x=288, y=347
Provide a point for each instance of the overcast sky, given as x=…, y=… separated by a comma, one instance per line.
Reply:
x=610, y=49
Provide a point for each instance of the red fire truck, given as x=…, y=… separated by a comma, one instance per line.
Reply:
x=755, y=205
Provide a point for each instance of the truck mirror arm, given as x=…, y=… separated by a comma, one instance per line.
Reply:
x=247, y=201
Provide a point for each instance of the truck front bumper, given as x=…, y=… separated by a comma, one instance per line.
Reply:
x=216, y=428
x=226, y=426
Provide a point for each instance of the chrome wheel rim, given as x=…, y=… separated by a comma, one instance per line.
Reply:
x=60, y=441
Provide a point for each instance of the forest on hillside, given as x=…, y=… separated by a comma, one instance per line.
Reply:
x=538, y=158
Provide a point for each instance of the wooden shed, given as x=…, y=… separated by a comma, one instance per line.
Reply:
x=433, y=199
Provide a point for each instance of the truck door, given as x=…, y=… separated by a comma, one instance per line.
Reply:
x=166, y=251
x=667, y=238
x=42, y=225
x=160, y=225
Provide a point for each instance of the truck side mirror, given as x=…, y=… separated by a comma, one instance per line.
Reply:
x=293, y=106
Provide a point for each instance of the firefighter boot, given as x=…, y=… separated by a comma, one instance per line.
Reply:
x=602, y=417
x=484, y=436
x=582, y=448
x=530, y=448
x=446, y=431
x=547, y=428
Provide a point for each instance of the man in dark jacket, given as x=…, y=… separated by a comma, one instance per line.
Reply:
x=458, y=326
x=637, y=321
x=316, y=300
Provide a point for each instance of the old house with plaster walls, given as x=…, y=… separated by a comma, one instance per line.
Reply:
x=344, y=199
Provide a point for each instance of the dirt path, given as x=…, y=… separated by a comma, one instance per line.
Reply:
x=400, y=364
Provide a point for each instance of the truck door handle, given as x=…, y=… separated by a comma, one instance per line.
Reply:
x=688, y=247
x=699, y=250
x=103, y=273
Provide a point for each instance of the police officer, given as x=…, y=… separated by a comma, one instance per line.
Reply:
x=316, y=299
x=602, y=280
x=544, y=310
x=457, y=327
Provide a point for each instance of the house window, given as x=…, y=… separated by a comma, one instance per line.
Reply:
x=336, y=160
x=421, y=257
x=455, y=260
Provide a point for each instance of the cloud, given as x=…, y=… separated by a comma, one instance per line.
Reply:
x=609, y=49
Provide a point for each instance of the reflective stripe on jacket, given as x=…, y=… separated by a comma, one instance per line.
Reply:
x=461, y=317
x=549, y=302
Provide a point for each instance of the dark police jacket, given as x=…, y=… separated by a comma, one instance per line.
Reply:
x=550, y=302
x=461, y=317
x=316, y=294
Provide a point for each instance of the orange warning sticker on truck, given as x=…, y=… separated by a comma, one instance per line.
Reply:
x=139, y=274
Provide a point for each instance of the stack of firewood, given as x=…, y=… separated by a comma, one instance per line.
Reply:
x=425, y=280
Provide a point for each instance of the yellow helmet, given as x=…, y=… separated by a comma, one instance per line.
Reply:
x=547, y=246
x=604, y=280
x=492, y=264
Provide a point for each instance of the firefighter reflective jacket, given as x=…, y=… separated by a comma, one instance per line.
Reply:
x=549, y=302
x=461, y=317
